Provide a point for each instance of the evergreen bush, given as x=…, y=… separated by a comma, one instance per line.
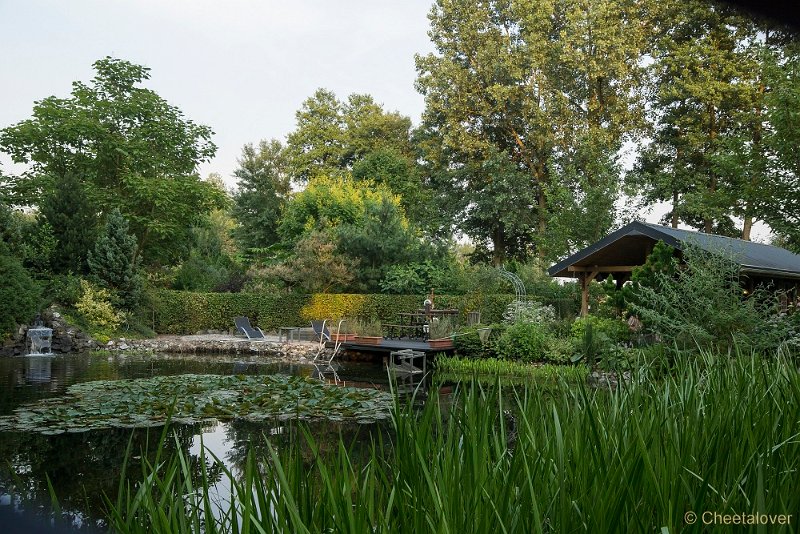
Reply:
x=19, y=294
x=113, y=263
x=703, y=304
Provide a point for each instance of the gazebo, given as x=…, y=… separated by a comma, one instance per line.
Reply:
x=620, y=252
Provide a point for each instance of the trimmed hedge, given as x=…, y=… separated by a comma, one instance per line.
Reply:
x=183, y=312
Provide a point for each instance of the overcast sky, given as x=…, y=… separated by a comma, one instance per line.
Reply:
x=242, y=67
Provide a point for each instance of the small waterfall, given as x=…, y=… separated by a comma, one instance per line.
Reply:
x=39, y=339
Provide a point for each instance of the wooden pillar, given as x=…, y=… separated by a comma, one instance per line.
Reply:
x=584, y=278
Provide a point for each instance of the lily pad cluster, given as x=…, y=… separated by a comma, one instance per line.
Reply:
x=195, y=398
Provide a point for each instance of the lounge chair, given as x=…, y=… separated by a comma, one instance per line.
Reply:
x=253, y=334
x=323, y=335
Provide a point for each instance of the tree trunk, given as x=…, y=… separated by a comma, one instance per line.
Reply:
x=499, y=244
x=748, y=226
x=541, y=202
x=708, y=222
x=584, y=294
x=674, y=209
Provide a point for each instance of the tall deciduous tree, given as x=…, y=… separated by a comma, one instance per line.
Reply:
x=130, y=149
x=548, y=86
x=711, y=155
x=357, y=137
x=784, y=139
x=263, y=187
x=696, y=70
x=316, y=146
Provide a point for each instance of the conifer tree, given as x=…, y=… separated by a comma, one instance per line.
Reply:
x=263, y=188
x=112, y=263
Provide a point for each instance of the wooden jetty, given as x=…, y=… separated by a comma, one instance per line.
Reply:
x=391, y=345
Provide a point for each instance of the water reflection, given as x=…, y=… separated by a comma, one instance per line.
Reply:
x=39, y=368
x=86, y=467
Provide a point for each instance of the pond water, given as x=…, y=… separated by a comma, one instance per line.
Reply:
x=84, y=466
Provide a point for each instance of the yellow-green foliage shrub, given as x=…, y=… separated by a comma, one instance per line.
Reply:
x=333, y=306
x=95, y=306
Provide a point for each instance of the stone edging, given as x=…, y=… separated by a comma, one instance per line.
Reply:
x=286, y=351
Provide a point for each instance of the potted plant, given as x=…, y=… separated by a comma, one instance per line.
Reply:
x=368, y=332
x=340, y=332
x=441, y=334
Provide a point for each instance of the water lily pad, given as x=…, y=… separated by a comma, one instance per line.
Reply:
x=195, y=398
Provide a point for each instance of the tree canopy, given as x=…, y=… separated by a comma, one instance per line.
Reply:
x=538, y=96
x=129, y=148
x=264, y=186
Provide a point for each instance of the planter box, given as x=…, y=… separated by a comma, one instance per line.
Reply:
x=442, y=343
x=368, y=340
x=341, y=338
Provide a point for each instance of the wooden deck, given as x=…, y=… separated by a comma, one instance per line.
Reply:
x=389, y=345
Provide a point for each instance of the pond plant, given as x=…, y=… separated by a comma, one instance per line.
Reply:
x=194, y=398
x=715, y=434
x=496, y=366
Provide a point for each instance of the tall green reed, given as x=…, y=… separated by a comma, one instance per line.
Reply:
x=717, y=434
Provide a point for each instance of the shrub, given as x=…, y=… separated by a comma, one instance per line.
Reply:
x=615, y=330
x=530, y=312
x=703, y=305
x=523, y=341
x=467, y=344
x=559, y=350
x=95, y=307
x=600, y=339
x=19, y=294
x=64, y=289
x=196, y=274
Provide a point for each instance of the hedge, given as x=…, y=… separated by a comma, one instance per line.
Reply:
x=184, y=312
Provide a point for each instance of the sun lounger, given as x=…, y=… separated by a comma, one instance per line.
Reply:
x=253, y=334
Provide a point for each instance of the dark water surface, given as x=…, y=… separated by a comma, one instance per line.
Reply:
x=84, y=467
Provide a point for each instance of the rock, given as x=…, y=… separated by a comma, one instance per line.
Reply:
x=607, y=379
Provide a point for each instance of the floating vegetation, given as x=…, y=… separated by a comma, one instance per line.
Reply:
x=194, y=398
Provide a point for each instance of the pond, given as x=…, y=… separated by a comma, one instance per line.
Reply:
x=83, y=466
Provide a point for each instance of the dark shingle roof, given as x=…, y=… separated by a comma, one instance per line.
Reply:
x=754, y=258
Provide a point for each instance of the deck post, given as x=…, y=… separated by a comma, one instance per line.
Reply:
x=586, y=278
x=584, y=294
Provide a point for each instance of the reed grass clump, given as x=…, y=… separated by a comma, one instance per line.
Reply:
x=502, y=367
x=715, y=434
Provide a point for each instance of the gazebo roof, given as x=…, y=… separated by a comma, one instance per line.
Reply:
x=630, y=245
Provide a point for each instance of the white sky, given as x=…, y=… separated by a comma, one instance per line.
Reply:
x=242, y=67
